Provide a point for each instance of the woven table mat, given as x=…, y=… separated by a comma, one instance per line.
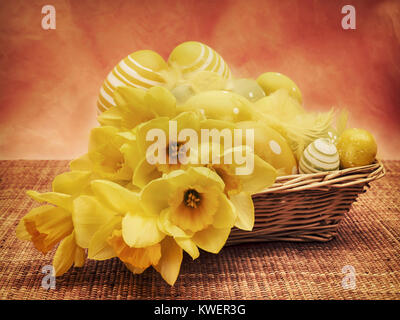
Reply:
x=368, y=240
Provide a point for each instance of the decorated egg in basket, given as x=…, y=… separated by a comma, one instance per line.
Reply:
x=319, y=156
x=140, y=69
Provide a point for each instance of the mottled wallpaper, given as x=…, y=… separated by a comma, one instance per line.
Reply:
x=50, y=79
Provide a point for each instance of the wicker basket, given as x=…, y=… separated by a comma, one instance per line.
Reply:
x=306, y=207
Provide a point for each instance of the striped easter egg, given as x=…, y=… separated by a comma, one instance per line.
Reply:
x=320, y=155
x=195, y=56
x=140, y=69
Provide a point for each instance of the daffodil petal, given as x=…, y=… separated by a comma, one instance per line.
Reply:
x=115, y=196
x=200, y=176
x=129, y=96
x=145, y=173
x=21, y=231
x=129, y=135
x=100, y=136
x=211, y=239
x=65, y=254
x=262, y=177
x=58, y=199
x=226, y=215
x=170, y=263
x=72, y=182
x=245, y=211
x=133, y=269
x=82, y=163
x=140, y=231
x=205, y=177
x=188, y=120
x=155, y=196
x=137, y=257
x=165, y=225
x=131, y=154
x=161, y=101
x=110, y=117
x=80, y=257
x=160, y=123
x=132, y=107
x=88, y=216
x=189, y=246
x=99, y=248
x=178, y=178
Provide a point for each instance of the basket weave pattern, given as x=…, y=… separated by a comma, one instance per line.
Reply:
x=306, y=207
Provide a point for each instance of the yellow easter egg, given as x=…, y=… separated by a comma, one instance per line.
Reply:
x=220, y=105
x=248, y=88
x=140, y=69
x=272, y=81
x=357, y=147
x=319, y=156
x=270, y=146
x=193, y=56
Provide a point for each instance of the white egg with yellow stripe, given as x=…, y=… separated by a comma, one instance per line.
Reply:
x=193, y=56
x=320, y=155
x=140, y=69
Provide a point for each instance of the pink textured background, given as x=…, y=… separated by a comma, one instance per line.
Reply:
x=49, y=80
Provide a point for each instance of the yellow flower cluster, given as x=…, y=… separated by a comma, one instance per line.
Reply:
x=115, y=203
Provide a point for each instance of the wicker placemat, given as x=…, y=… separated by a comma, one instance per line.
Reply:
x=369, y=240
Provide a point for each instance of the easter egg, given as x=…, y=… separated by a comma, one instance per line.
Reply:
x=272, y=81
x=220, y=105
x=195, y=56
x=270, y=146
x=140, y=69
x=356, y=147
x=319, y=156
x=248, y=88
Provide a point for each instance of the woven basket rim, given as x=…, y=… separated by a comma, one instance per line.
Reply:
x=337, y=179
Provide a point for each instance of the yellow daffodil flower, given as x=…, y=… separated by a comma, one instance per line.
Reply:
x=240, y=187
x=113, y=222
x=179, y=145
x=146, y=171
x=111, y=154
x=47, y=225
x=135, y=106
x=192, y=208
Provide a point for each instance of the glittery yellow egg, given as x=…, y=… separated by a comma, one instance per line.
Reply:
x=140, y=69
x=193, y=56
x=319, y=156
x=357, y=147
